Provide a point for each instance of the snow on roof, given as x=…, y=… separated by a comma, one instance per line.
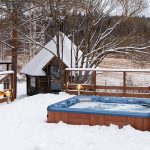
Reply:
x=35, y=66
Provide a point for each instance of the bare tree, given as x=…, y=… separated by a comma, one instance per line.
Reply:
x=98, y=39
x=13, y=12
x=88, y=20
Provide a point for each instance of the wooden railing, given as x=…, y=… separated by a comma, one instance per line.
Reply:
x=10, y=87
x=7, y=65
x=102, y=90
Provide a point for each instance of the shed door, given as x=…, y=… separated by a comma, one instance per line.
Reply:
x=55, y=78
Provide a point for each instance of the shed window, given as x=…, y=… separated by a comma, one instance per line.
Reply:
x=32, y=81
x=55, y=68
x=55, y=72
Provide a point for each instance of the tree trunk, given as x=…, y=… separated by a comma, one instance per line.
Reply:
x=14, y=49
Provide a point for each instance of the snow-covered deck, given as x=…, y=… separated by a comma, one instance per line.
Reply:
x=6, y=72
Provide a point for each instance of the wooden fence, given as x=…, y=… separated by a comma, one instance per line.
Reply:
x=106, y=90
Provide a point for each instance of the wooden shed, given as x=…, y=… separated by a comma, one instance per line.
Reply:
x=42, y=71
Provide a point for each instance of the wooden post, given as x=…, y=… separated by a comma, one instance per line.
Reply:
x=49, y=78
x=12, y=86
x=66, y=80
x=124, y=83
x=7, y=67
x=94, y=82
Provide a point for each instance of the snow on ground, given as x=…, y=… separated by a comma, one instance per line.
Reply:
x=23, y=127
x=21, y=92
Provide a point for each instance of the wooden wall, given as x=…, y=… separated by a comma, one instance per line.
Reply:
x=92, y=119
x=43, y=83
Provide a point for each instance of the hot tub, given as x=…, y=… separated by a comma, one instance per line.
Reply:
x=99, y=110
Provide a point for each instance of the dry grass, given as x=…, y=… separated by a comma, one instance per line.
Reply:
x=109, y=78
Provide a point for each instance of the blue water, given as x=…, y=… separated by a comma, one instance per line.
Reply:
x=112, y=106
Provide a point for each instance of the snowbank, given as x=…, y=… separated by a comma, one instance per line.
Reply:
x=23, y=127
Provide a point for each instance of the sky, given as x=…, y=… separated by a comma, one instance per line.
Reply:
x=147, y=10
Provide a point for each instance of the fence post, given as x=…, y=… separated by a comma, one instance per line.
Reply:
x=12, y=86
x=66, y=80
x=124, y=83
x=94, y=83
